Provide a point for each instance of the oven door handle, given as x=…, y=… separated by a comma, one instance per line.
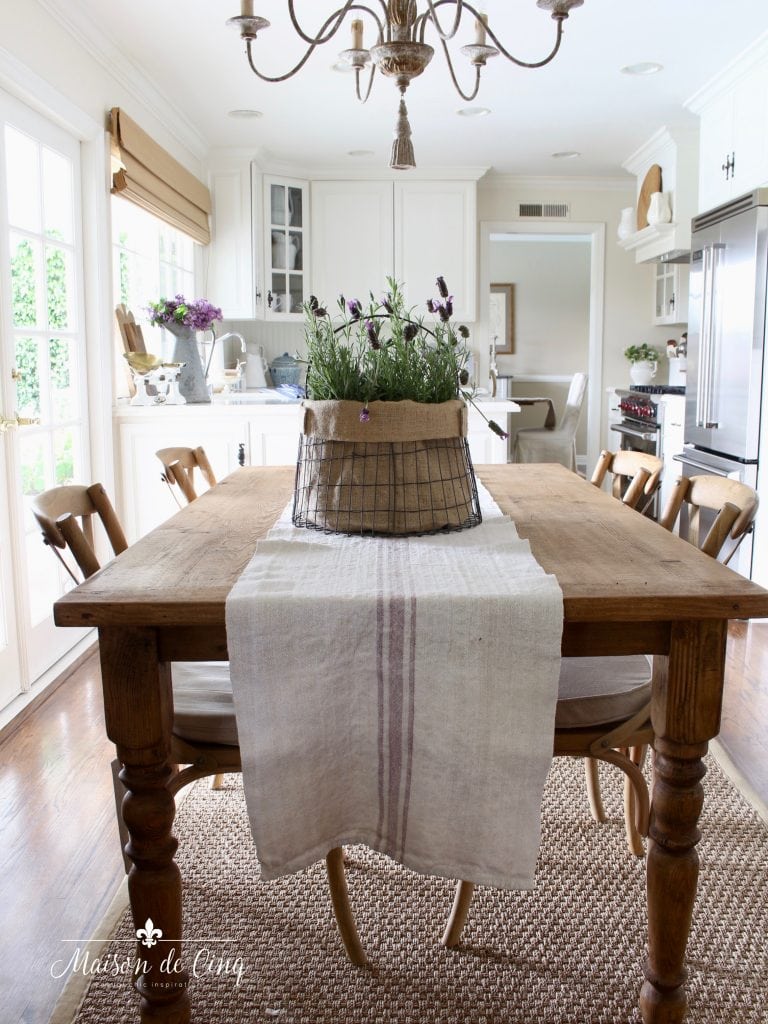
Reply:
x=632, y=432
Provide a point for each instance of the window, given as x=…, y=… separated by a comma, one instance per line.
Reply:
x=151, y=260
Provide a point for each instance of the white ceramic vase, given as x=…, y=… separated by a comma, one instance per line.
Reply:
x=659, y=210
x=642, y=372
x=626, y=223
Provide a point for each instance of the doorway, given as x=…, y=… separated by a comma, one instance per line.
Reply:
x=43, y=391
x=552, y=338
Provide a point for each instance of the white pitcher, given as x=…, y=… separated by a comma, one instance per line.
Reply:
x=256, y=369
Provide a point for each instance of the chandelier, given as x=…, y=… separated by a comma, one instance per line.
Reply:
x=399, y=50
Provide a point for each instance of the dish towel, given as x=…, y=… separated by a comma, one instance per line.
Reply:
x=398, y=692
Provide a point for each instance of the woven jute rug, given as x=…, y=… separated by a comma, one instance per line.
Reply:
x=568, y=952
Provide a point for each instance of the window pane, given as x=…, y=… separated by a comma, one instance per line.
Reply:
x=62, y=356
x=27, y=362
x=26, y=271
x=59, y=287
x=45, y=576
x=57, y=196
x=22, y=166
x=32, y=455
x=66, y=456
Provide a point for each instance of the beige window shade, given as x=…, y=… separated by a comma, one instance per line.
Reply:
x=143, y=172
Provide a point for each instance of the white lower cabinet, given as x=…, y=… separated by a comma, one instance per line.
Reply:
x=232, y=435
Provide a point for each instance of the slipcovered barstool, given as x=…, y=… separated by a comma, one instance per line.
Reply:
x=538, y=444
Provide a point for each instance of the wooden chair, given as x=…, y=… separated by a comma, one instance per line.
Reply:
x=636, y=476
x=539, y=444
x=179, y=466
x=604, y=704
x=204, y=731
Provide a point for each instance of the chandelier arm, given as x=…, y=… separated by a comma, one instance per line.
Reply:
x=277, y=78
x=339, y=15
x=364, y=99
x=465, y=96
x=532, y=64
x=431, y=15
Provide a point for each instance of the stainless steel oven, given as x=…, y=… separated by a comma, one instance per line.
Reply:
x=647, y=418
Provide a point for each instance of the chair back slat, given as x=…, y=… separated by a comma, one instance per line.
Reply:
x=57, y=512
x=642, y=470
x=179, y=465
x=734, y=504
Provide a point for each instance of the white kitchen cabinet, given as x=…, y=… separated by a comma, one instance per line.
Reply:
x=352, y=239
x=286, y=238
x=670, y=294
x=366, y=231
x=231, y=282
x=144, y=500
x=436, y=234
x=733, y=155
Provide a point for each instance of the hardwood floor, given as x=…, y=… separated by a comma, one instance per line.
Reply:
x=59, y=854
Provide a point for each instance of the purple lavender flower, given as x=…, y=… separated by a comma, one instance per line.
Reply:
x=410, y=331
x=355, y=309
x=432, y=306
x=463, y=377
x=497, y=430
x=442, y=287
x=387, y=304
x=372, y=330
x=199, y=315
x=364, y=414
x=464, y=331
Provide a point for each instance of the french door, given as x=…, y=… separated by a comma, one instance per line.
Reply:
x=42, y=378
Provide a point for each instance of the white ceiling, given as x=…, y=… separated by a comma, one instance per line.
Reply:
x=580, y=101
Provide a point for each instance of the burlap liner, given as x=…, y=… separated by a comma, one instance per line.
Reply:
x=389, y=421
x=405, y=470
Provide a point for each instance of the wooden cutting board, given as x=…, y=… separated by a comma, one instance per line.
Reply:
x=651, y=184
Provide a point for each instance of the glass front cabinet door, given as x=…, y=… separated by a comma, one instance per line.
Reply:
x=286, y=236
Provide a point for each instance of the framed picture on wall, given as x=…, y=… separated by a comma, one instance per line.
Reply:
x=502, y=318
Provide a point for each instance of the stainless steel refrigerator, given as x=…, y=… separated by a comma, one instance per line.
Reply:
x=726, y=341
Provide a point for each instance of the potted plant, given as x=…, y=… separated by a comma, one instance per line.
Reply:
x=643, y=362
x=183, y=319
x=384, y=446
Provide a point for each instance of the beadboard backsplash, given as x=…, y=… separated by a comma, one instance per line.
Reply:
x=274, y=338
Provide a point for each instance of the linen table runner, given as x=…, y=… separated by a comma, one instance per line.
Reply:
x=398, y=692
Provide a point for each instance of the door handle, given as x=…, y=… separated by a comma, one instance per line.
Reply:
x=17, y=421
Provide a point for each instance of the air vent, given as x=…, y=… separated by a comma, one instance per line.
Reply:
x=560, y=210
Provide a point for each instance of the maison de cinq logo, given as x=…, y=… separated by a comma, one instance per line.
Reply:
x=205, y=962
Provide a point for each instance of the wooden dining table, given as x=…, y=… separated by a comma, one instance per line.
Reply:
x=628, y=587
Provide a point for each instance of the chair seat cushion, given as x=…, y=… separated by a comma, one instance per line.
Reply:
x=203, y=706
x=595, y=691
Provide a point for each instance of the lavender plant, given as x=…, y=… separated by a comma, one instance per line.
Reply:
x=383, y=351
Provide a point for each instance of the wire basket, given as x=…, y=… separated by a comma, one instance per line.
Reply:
x=405, y=485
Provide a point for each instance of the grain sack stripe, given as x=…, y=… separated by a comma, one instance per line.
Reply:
x=395, y=718
x=411, y=699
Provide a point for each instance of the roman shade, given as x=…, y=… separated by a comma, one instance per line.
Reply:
x=145, y=173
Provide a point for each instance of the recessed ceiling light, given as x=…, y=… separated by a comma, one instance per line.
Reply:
x=566, y=154
x=645, y=67
x=360, y=152
x=473, y=111
x=244, y=114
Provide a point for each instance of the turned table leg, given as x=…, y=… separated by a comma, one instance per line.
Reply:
x=138, y=706
x=687, y=697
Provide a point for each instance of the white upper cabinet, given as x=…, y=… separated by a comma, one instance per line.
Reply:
x=436, y=235
x=352, y=239
x=676, y=152
x=231, y=282
x=733, y=156
x=286, y=238
x=366, y=231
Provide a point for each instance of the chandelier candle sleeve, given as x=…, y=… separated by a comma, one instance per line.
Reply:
x=357, y=34
x=480, y=27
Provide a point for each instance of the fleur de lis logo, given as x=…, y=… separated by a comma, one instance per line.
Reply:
x=149, y=934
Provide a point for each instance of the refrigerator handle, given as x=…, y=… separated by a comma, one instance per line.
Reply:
x=707, y=345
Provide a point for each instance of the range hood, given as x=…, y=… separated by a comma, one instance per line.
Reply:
x=676, y=152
